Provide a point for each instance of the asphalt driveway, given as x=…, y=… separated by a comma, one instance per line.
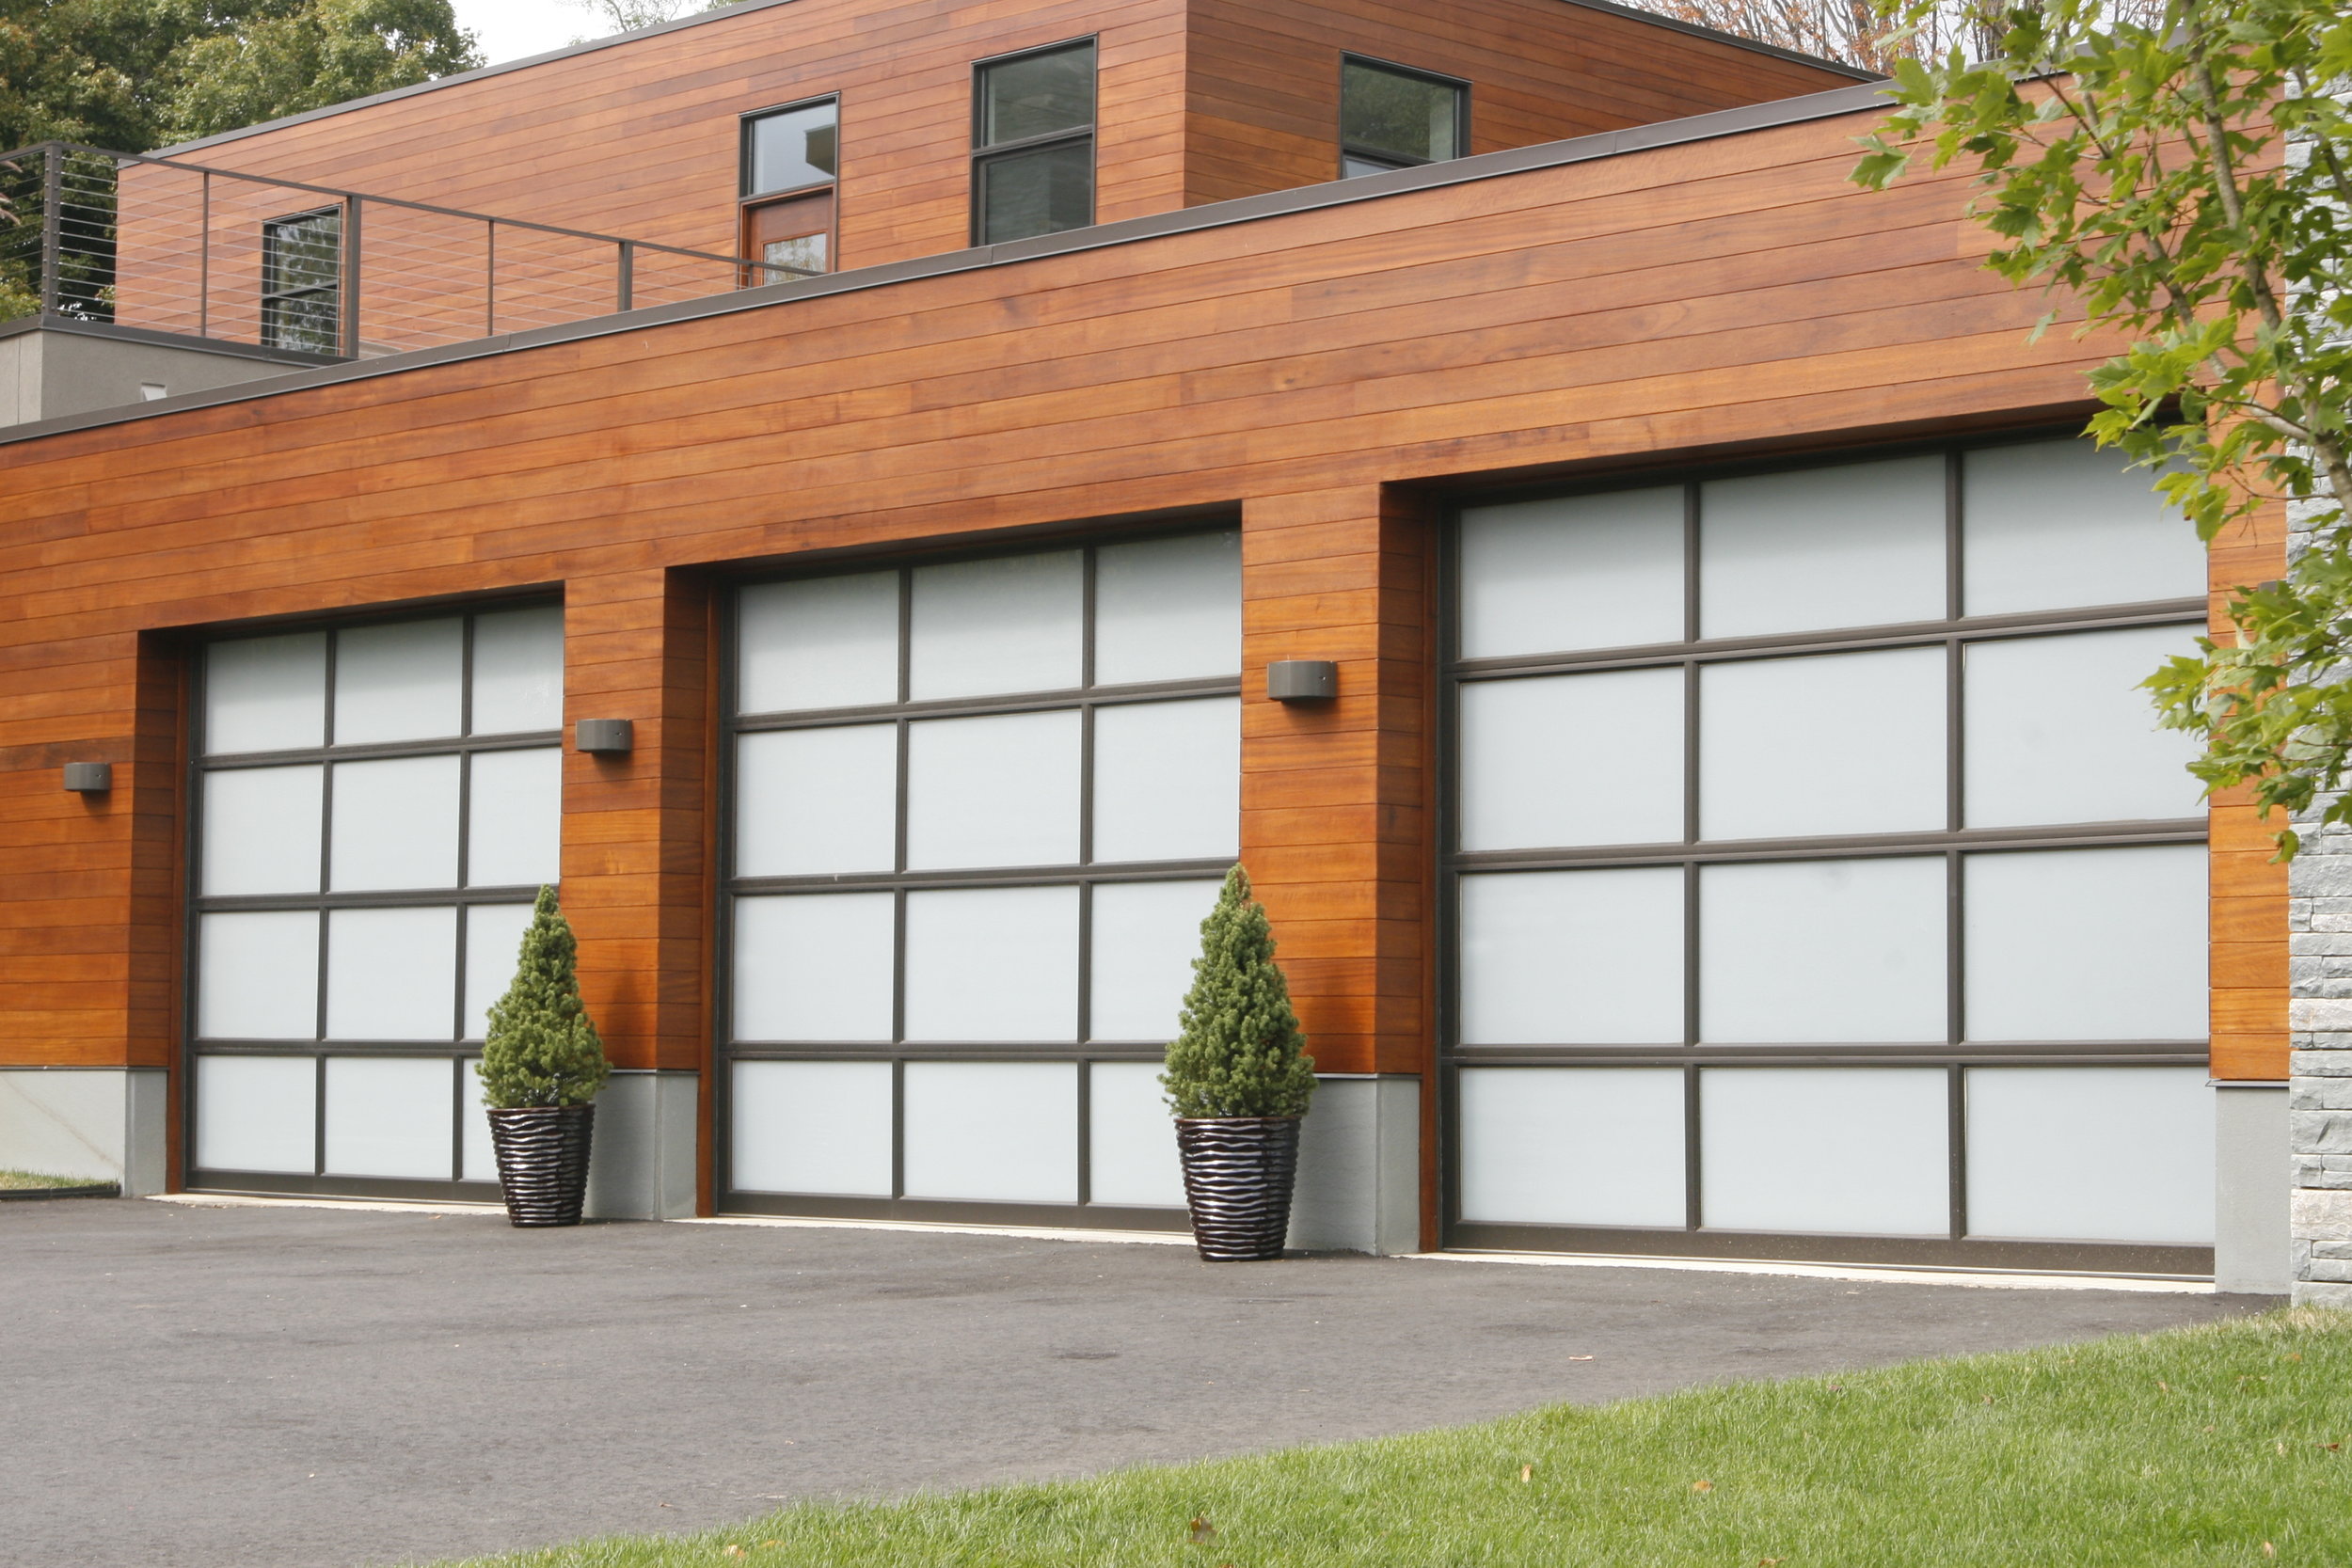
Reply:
x=240, y=1388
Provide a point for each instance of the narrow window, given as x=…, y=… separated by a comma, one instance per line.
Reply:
x=1391, y=118
x=302, y=269
x=791, y=159
x=1033, y=140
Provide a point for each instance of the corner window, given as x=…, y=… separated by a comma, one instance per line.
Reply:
x=792, y=153
x=302, y=270
x=1033, y=141
x=1391, y=118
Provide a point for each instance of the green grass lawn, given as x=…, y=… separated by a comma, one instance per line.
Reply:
x=2224, y=1444
x=19, y=1180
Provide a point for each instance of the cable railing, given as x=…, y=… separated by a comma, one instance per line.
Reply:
x=309, y=272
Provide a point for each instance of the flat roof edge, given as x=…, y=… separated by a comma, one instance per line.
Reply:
x=1838, y=101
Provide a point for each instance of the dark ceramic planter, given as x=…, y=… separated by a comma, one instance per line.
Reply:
x=1238, y=1175
x=543, y=1161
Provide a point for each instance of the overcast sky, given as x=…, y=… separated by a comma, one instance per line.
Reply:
x=510, y=29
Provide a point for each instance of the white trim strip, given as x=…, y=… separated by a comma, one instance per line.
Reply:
x=1984, y=1281
x=1029, y=1233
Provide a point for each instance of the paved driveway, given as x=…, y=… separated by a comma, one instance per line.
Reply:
x=240, y=1388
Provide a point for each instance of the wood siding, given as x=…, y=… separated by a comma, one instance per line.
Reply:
x=1262, y=99
x=1317, y=371
x=2250, y=939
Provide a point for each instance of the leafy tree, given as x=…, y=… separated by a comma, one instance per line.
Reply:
x=2186, y=179
x=1859, y=32
x=627, y=16
x=1241, y=1053
x=542, y=1048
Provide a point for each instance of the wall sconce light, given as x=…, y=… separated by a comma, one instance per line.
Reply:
x=1302, y=680
x=605, y=737
x=89, y=778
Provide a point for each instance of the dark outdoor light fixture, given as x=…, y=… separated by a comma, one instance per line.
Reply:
x=89, y=778
x=606, y=737
x=1302, y=680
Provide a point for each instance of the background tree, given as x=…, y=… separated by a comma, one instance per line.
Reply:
x=627, y=16
x=2186, y=181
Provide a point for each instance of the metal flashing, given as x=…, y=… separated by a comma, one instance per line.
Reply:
x=1861, y=98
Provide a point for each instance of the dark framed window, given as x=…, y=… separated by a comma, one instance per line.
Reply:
x=974, y=812
x=302, y=270
x=1392, y=117
x=1033, y=143
x=377, y=804
x=791, y=160
x=1817, y=882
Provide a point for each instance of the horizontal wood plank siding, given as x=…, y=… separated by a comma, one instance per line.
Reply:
x=2248, y=915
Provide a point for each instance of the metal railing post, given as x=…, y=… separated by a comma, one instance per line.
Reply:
x=52, y=197
x=204, y=259
x=628, y=290
x=351, y=279
x=490, y=279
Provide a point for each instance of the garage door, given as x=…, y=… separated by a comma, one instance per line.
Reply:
x=1820, y=883
x=978, y=810
x=377, y=804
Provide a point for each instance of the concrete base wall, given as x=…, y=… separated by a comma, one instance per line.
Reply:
x=643, y=1164
x=103, y=1124
x=2253, y=1183
x=1360, y=1168
x=47, y=373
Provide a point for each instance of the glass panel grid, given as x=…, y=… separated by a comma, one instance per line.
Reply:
x=1092, y=908
x=1537, y=1022
x=450, y=695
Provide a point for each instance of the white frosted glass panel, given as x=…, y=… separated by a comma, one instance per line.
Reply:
x=262, y=830
x=2092, y=1154
x=265, y=694
x=391, y=974
x=494, y=943
x=399, y=682
x=820, y=642
x=1578, y=572
x=814, y=968
x=258, y=976
x=482, y=1161
x=1573, y=957
x=1761, y=773
x=1146, y=935
x=816, y=801
x=388, y=1116
x=257, y=1113
x=515, y=829
x=993, y=964
x=996, y=791
x=1572, y=759
x=993, y=1132
x=518, y=671
x=2059, y=523
x=395, y=825
x=1572, y=1146
x=1860, y=545
x=811, y=1127
x=1131, y=1138
x=1168, y=609
x=1827, y=950
x=1855, y=1150
x=2059, y=731
x=1011, y=624
x=1168, y=781
x=2087, y=945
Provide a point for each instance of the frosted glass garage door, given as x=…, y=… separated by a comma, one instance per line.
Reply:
x=378, y=806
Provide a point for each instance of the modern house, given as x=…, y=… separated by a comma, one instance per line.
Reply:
x=884, y=501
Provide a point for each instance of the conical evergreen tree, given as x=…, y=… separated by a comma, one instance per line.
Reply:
x=542, y=1048
x=1241, y=1053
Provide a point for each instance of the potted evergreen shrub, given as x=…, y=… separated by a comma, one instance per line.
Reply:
x=1238, y=1079
x=541, y=1064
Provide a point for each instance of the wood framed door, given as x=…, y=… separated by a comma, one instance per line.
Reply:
x=795, y=232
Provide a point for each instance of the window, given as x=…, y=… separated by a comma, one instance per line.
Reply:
x=978, y=810
x=1033, y=135
x=792, y=153
x=1391, y=118
x=377, y=807
x=302, y=269
x=1820, y=883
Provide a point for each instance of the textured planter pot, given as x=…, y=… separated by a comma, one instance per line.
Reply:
x=543, y=1161
x=1238, y=1173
